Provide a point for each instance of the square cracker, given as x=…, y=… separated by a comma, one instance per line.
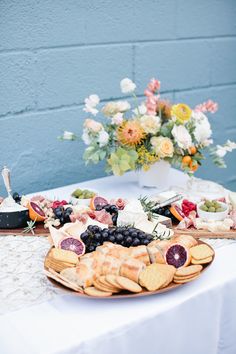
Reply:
x=155, y=277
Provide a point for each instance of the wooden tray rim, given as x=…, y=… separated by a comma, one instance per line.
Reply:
x=121, y=295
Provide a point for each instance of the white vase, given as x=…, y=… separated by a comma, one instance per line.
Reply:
x=157, y=176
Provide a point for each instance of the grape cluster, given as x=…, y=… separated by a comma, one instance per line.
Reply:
x=111, y=209
x=62, y=214
x=165, y=211
x=126, y=236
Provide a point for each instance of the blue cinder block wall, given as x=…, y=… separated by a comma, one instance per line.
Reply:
x=55, y=53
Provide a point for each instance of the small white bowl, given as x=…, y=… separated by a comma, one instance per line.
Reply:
x=78, y=201
x=218, y=216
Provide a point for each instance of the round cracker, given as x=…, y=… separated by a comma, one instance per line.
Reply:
x=201, y=252
x=100, y=286
x=186, y=277
x=111, y=279
x=190, y=270
x=128, y=284
x=183, y=281
x=91, y=291
x=102, y=280
x=201, y=261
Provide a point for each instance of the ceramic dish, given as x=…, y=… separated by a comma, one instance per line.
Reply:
x=217, y=216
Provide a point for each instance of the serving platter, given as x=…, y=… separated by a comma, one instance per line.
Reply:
x=62, y=283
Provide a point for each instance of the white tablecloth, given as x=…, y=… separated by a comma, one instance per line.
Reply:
x=198, y=318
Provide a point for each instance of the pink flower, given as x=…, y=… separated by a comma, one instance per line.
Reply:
x=148, y=93
x=209, y=106
x=154, y=85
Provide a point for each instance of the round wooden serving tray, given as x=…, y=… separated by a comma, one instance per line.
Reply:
x=59, y=283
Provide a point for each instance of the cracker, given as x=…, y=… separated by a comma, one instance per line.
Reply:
x=111, y=279
x=155, y=277
x=186, y=277
x=91, y=291
x=64, y=255
x=57, y=265
x=182, y=281
x=128, y=284
x=102, y=280
x=201, y=261
x=201, y=252
x=190, y=270
x=98, y=285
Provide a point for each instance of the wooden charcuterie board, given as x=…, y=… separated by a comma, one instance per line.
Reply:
x=39, y=231
x=206, y=234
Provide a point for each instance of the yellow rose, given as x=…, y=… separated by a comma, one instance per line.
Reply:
x=181, y=112
x=163, y=146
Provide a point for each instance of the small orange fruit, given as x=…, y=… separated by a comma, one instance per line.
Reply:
x=193, y=166
x=186, y=160
x=192, y=150
x=177, y=212
x=96, y=200
x=35, y=212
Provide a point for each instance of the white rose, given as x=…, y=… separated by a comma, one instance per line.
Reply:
x=182, y=136
x=90, y=103
x=68, y=135
x=150, y=124
x=230, y=145
x=127, y=86
x=111, y=108
x=86, y=138
x=117, y=119
x=142, y=109
x=220, y=151
x=202, y=131
x=103, y=138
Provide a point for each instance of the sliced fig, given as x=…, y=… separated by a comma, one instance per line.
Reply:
x=74, y=245
x=177, y=255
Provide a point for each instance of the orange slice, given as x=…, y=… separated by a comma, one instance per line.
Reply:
x=177, y=212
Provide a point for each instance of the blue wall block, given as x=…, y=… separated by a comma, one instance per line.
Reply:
x=55, y=53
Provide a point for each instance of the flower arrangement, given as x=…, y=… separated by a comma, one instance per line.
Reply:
x=132, y=139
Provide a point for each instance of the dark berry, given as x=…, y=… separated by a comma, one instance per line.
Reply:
x=111, y=231
x=113, y=209
x=97, y=236
x=134, y=234
x=105, y=235
x=114, y=219
x=107, y=207
x=96, y=228
x=136, y=242
x=112, y=238
x=141, y=235
x=69, y=210
x=91, y=248
x=145, y=242
x=16, y=197
x=99, y=207
x=62, y=220
x=90, y=228
x=128, y=241
x=119, y=238
x=66, y=218
x=149, y=237
x=126, y=233
x=168, y=213
x=84, y=236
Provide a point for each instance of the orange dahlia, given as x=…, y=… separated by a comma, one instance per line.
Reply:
x=130, y=133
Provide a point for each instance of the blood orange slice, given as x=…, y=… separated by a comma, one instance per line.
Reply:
x=96, y=200
x=177, y=255
x=74, y=245
x=177, y=212
x=35, y=212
